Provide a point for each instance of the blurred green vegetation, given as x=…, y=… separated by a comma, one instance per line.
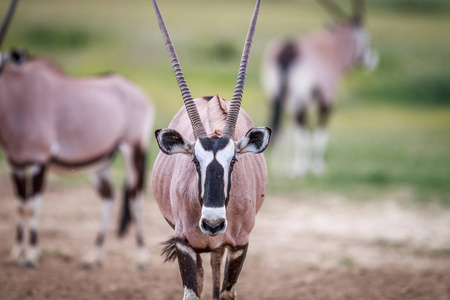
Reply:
x=391, y=127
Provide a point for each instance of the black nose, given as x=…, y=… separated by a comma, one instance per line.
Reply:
x=213, y=227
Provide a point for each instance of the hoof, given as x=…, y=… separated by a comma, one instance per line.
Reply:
x=17, y=255
x=28, y=265
x=91, y=260
x=89, y=265
x=142, y=260
x=228, y=295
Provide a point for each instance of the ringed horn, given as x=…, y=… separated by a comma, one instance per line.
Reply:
x=230, y=124
x=7, y=20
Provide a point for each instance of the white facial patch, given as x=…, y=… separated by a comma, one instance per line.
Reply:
x=224, y=158
x=205, y=158
x=213, y=214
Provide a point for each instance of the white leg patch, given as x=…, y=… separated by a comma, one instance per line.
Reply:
x=319, y=144
x=142, y=258
x=187, y=250
x=302, y=152
x=93, y=257
x=236, y=254
x=127, y=153
x=32, y=256
x=189, y=294
x=107, y=205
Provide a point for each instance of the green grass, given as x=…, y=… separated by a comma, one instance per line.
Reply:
x=391, y=127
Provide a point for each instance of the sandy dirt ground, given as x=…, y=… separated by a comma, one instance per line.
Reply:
x=325, y=247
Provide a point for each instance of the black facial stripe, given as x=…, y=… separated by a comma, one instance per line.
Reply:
x=214, y=144
x=214, y=185
x=230, y=170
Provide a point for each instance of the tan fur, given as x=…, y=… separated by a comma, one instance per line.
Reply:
x=43, y=110
x=174, y=181
x=325, y=54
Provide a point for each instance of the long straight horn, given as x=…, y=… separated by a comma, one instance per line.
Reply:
x=7, y=20
x=358, y=11
x=197, y=126
x=230, y=124
x=333, y=9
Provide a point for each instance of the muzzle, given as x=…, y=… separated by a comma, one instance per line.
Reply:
x=213, y=220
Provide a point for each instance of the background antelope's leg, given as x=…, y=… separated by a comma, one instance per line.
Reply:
x=233, y=267
x=200, y=273
x=216, y=262
x=320, y=138
x=187, y=261
x=19, y=179
x=302, y=147
x=34, y=187
x=105, y=190
x=135, y=162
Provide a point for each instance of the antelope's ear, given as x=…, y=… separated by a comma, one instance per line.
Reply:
x=255, y=141
x=172, y=142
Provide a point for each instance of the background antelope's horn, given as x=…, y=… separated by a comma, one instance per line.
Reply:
x=197, y=126
x=230, y=124
x=358, y=11
x=7, y=20
x=333, y=9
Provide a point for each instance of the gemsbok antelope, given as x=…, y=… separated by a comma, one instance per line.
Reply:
x=209, y=209
x=48, y=119
x=300, y=74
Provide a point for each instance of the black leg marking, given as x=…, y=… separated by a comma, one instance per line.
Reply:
x=301, y=117
x=100, y=240
x=19, y=234
x=324, y=114
x=105, y=189
x=233, y=267
x=39, y=180
x=125, y=216
x=20, y=183
x=140, y=163
x=130, y=193
x=140, y=241
x=33, y=237
x=324, y=107
x=188, y=266
x=276, y=114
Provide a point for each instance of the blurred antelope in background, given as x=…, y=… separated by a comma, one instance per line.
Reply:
x=48, y=119
x=209, y=209
x=298, y=74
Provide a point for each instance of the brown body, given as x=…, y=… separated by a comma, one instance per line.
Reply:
x=305, y=72
x=175, y=187
x=206, y=181
x=49, y=119
x=46, y=115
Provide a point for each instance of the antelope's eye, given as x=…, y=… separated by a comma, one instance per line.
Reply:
x=233, y=161
x=195, y=161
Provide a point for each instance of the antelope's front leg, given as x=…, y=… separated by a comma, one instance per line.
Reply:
x=187, y=261
x=233, y=267
x=216, y=262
